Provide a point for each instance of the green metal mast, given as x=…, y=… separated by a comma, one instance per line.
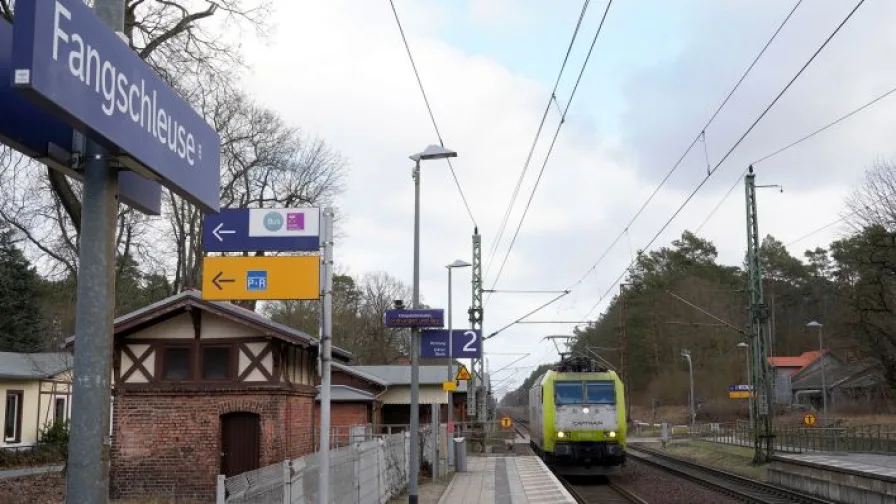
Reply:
x=476, y=397
x=762, y=383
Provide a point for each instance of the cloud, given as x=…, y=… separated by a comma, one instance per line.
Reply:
x=339, y=70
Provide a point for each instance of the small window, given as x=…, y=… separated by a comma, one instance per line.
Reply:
x=601, y=392
x=12, y=424
x=216, y=363
x=59, y=410
x=568, y=393
x=176, y=364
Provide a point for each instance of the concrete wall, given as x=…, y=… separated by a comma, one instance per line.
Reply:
x=848, y=487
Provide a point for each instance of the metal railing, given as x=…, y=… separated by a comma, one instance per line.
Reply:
x=804, y=439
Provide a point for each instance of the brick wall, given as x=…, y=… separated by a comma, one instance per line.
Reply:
x=169, y=444
x=343, y=415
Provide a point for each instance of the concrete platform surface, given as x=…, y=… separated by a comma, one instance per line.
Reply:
x=505, y=480
x=865, y=463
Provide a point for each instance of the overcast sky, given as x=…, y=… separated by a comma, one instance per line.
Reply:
x=338, y=70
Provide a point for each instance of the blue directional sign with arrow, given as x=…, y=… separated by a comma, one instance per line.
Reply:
x=276, y=230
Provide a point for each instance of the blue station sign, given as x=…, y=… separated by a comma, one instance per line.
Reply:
x=275, y=230
x=38, y=134
x=739, y=388
x=67, y=59
x=465, y=343
x=415, y=318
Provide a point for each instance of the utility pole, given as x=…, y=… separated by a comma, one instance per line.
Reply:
x=762, y=384
x=475, y=313
x=326, y=353
x=623, y=350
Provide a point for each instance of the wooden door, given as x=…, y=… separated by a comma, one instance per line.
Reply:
x=240, y=443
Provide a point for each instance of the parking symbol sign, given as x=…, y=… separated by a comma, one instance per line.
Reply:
x=256, y=280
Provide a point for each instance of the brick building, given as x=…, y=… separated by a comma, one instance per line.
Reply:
x=205, y=388
x=354, y=403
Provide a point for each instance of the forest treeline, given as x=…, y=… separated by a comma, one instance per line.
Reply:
x=849, y=286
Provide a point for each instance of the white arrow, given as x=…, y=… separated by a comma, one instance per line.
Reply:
x=218, y=232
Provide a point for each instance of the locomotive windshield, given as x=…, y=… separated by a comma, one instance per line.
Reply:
x=593, y=392
x=601, y=392
x=567, y=392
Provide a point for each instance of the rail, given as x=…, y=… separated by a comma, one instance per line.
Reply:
x=733, y=485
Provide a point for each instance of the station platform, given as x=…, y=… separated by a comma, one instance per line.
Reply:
x=505, y=480
x=852, y=478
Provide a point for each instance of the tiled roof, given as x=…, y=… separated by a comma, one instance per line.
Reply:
x=194, y=298
x=33, y=366
x=800, y=362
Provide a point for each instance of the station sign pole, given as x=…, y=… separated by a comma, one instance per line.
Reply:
x=326, y=337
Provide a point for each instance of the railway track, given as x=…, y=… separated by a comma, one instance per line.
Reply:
x=600, y=490
x=732, y=485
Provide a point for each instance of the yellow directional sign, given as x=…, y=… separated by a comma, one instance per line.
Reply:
x=261, y=278
x=739, y=394
x=462, y=373
x=506, y=422
x=449, y=386
x=809, y=419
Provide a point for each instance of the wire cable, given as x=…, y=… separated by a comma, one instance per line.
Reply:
x=794, y=144
x=700, y=136
x=553, y=142
x=731, y=150
x=432, y=116
x=551, y=100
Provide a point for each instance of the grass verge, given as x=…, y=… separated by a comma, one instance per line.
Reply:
x=734, y=459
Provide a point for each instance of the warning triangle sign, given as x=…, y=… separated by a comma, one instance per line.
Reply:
x=462, y=373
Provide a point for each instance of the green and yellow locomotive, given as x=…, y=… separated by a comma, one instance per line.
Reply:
x=577, y=418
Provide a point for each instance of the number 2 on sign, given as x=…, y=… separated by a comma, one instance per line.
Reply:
x=469, y=346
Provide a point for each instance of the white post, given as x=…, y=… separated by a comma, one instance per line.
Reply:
x=435, y=441
x=325, y=353
x=450, y=420
x=287, y=482
x=221, y=494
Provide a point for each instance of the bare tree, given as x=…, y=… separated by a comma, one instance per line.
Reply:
x=265, y=164
x=185, y=42
x=874, y=201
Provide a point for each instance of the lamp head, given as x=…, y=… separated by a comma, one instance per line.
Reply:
x=458, y=264
x=434, y=152
x=814, y=324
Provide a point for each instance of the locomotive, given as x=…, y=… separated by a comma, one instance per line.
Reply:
x=577, y=418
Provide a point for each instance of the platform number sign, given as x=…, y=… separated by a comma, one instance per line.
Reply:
x=809, y=419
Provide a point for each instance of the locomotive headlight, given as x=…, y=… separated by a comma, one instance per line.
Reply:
x=612, y=434
x=585, y=410
x=561, y=434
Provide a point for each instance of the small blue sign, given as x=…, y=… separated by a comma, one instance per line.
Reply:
x=415, y=318
x=256, y=280
x=31, y=130
x=465, y=344
x=280, y=230
x=736, y=388
x=66, y=58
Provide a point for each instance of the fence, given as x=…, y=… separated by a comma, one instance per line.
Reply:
x=793, y=439
x=369, y=472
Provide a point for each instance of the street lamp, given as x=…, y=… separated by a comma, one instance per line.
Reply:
x=746, y=348
x=431, y=152
x=456, y=264
x=687, y=355
x=824, y=388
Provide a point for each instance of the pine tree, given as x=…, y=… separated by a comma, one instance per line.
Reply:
x=21, y=323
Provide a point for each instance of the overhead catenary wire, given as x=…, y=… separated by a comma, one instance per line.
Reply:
x=432, y=116
x=553, y=142
x=794, y=144
x=552, y=99
x=701, y=136
x=731, y=150
x=841, y=219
